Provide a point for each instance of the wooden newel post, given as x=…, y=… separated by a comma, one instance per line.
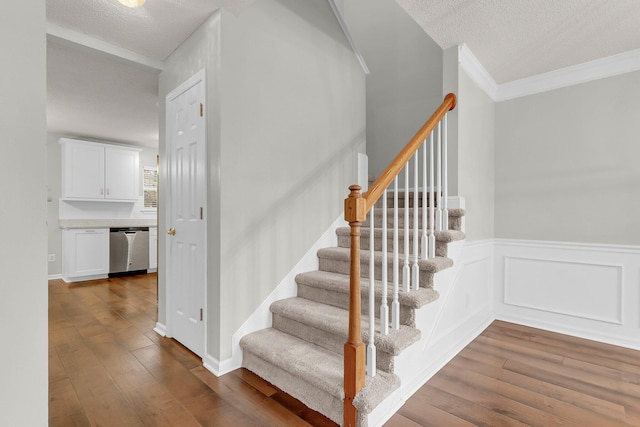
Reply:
x=355, y=211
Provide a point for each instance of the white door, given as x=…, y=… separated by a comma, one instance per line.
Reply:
x=186, y=255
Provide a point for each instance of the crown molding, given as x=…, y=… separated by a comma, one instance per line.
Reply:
x=569, y=76
x=67, y=36
x=476, y=71
x=347, y=34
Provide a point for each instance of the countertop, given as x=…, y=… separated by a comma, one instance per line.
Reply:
x=106, y=223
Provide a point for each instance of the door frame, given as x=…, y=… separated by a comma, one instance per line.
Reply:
x=199, y=77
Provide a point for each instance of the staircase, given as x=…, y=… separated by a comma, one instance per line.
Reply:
x=302, y=353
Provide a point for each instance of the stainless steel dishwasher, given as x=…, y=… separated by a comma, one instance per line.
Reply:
x=128, y=250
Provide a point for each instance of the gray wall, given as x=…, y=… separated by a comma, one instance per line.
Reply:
x=405, y=84
x=476, y=157
x=54, y=191
x=286, y=118
x=23, y=216
x=293, y=121
x=567, y=164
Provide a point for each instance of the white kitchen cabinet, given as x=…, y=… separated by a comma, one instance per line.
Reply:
x=153, y=248
x=85, y=254
x=93, y=171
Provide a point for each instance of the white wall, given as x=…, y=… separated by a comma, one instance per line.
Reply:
x=405, y=84
x=567, y=163
x=476, y=153
x=293, y=121
x=23, y=215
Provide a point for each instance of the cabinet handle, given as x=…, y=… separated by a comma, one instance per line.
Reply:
x=102, y=191
x=107, y=191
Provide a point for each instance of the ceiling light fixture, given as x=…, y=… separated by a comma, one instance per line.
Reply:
x=132, y=3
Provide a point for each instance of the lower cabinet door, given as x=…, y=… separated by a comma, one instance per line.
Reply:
x=86, y=252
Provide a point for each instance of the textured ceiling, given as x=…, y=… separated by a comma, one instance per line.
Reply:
x=154, y=30
x=514, y=39
x=96, y=95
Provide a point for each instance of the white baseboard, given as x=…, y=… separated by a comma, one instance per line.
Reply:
x=54, y=276
x=219, y=368
x=584, y=290
x=160, y=329
x=261, y=318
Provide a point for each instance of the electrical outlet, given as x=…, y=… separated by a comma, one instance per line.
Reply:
x=52, y=257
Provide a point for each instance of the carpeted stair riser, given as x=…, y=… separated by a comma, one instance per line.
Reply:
x=333, y=289
x=407, y=314
x=310, y=373
x=455, y=219
x=442, y=240
x=327, y=327
x=337, y=260
x=384, y=361
x=316, y=399
x=401, y=204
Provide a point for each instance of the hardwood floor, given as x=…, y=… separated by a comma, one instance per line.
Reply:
x=107, y=367
x=512, y=375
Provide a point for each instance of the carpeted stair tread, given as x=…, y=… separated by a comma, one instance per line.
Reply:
x=432, y=265
x=445, y=236
x=337, y=282
x=316, y=365
x=335, y=321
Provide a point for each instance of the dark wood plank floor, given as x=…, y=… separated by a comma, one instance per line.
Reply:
x=107, y=367
x=512, y=375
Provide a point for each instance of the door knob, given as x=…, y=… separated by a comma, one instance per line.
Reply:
x=171, y=231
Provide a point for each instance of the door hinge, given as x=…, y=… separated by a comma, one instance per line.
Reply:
x=201, y=212
x=201, y=315
x=201, y=110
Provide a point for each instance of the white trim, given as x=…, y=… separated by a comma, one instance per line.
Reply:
x=347, y=34
x=54, y=277
x=608, y=277
x=70, y=37
x=160, y=329
x=476, y=71
x=216, y=367
x=591, y=247
x=287, y=288
x=610, y=66
x=582, y=73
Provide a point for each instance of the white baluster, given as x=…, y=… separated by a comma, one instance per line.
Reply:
x=384, y=308
x=406, y=270
x=371, y=347
x=445, y=189
x=395, y=304
x=432, y=237
x=439, y=180
x=415, y=270
x=424, y=245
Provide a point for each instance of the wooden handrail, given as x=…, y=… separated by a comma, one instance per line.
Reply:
x=356, y=207
x=394, y=168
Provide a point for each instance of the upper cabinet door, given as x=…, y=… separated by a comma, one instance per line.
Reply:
x=122, y=174
x=82, y=170
x=92, y=171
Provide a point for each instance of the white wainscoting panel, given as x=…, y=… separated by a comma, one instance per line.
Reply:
x=586, y=290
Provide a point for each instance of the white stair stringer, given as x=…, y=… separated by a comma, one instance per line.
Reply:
x=442, y=338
